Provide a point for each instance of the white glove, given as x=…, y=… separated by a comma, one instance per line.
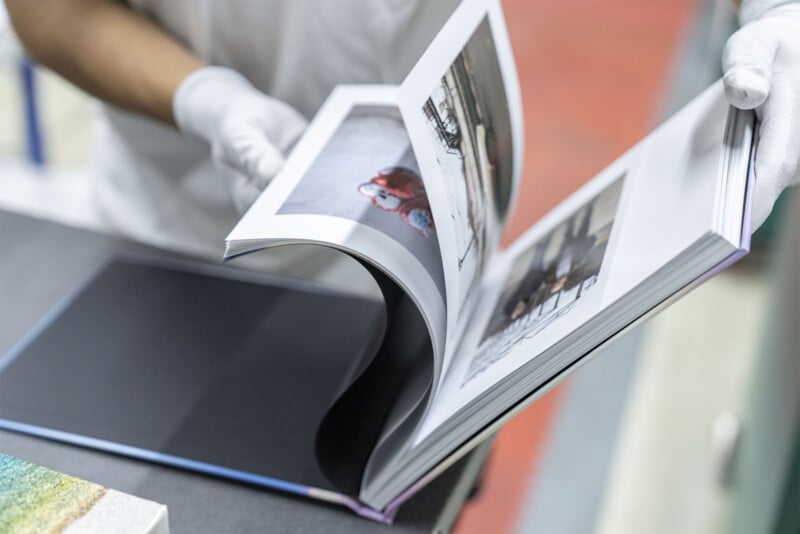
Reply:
x=250, y=133
x=761, y=64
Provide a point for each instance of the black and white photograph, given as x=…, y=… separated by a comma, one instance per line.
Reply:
x=367, y=173
x=468, y=118
x=546, y=280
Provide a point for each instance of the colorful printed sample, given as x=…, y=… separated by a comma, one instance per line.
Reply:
x=37, y=500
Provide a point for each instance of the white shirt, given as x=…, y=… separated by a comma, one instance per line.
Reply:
x=157, y=186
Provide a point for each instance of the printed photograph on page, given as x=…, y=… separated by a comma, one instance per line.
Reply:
x=467, y=118
x=548, y=279
x=367, y=173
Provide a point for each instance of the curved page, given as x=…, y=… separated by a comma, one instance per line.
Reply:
x=353, y=183
x=462, y=106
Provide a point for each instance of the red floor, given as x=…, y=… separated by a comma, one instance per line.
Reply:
x=593, y=73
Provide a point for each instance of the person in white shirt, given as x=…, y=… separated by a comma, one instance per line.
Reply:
x=205, y=97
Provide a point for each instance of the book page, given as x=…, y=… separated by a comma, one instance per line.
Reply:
x=553, y=279
x=462, y=107
x=547, y=279
x=353, y=183
x=616, y=235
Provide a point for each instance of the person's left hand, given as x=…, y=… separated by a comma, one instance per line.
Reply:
x=761, y=64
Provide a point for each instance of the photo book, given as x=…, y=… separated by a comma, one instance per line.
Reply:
x=363, y=403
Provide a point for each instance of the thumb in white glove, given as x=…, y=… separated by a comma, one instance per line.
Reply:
x=761, y=64
x=250, y=133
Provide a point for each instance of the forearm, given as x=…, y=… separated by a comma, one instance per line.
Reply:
x=107, y=49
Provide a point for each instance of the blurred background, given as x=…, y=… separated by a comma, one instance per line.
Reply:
x=688, y=424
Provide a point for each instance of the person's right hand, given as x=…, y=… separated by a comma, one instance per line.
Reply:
x=761, y=62
x=249, y=132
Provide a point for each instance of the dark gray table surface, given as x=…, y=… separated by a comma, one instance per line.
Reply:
x=40, y=263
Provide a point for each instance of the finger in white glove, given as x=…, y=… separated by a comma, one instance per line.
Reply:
x=250, y=133
x=246, y=160
x=761, y=64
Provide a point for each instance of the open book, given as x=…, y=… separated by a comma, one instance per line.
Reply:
x=344, y=399
x=418, y=181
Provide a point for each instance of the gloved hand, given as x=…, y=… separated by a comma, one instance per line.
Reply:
x=250, y=133
x=761, y=64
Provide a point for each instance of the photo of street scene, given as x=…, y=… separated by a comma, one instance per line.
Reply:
x=367, y=173
x=548, y=279
x=468, y=118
